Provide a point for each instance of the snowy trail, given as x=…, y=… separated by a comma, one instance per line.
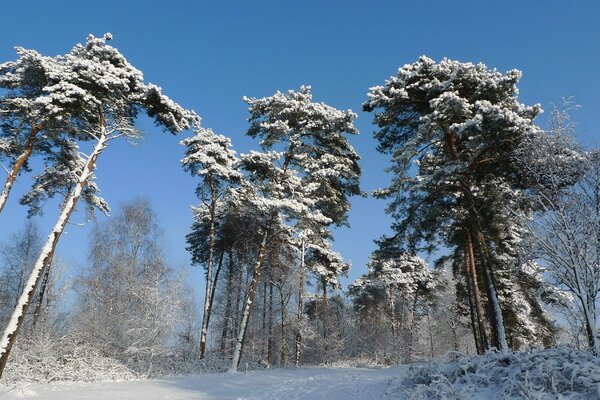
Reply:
x=288, y=384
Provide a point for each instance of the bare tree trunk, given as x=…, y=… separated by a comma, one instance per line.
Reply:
x=41, y=293
x=209, y=272
x=430, y=333
x=238, y=301
x=300, y=304
x=16, y=321
x=496, y=318
x=229, y=303
x=471, y=295
x=283, y=349
x=270, y=327
x=264, y=321
x=239, y=344
x=19, y=162
x=485, y=341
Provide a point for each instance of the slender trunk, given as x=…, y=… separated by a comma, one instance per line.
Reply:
x=300, y=304
x=430, y=334
x=41, y=293
x=485, y=341
x=19, y=162
x=16, y=321
x=270, y=341
x=413, y=326
x=497, y=320
x=590, y=325
x=238, y=302
x=283, y=349
x=392, y=306
x=471, y=295
x=209, y=273
x=229, y=302
x=264, y=321
x=239, y=344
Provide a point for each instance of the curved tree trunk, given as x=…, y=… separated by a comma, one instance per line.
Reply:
x=16, y=321
x=19, y=162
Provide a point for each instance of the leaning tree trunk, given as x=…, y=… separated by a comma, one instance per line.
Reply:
x=19, y=162
x=18, y=316
x=239, y=343
x=496, y=318
x=38, y=305
x=300, y=305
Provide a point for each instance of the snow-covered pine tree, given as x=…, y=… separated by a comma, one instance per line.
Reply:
x=210, y=157
x=313, y=139
x=277, y=200
x=459, y=124
x=98, y=77
x=36, y=108
x=404, y=282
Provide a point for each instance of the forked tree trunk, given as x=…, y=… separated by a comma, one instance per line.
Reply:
x=18, y=165
x=300, y=305
x=239, y=343
x=17, y=318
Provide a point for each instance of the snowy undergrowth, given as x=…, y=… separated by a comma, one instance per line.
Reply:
x=545, y=374
x=43, y=360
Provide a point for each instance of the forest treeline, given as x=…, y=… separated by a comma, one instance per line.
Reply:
x=511, y=211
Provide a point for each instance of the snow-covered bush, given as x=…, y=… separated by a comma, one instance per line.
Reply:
x=42, y=358
x=563, y=373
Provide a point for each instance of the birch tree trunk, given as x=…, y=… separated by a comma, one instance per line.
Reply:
x=239, y=343
x=16, y=321
x=19, y=162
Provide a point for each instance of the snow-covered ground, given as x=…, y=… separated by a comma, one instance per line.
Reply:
x=288, y=384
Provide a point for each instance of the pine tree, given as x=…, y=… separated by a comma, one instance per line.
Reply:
x=208, y=156
x=113, y=92
x=452, y=129
x=37, y=108
x=313, y=138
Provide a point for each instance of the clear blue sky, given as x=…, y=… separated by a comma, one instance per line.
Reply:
x=207, y=55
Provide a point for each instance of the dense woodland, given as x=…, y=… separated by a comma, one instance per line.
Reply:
x=509, y=210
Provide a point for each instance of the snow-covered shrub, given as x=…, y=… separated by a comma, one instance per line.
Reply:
x=42, y=358
x=545, y=374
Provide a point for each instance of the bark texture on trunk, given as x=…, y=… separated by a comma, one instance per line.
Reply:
x=18, y=165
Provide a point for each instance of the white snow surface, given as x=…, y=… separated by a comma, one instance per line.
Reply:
x=288, y=384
